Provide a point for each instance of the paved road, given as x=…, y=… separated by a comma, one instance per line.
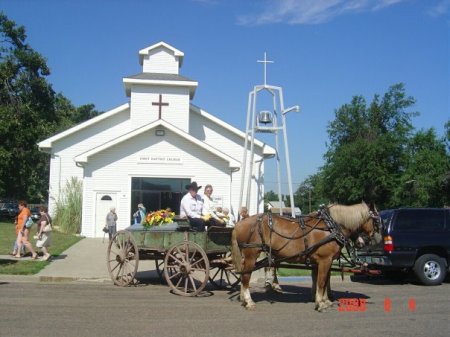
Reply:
x=91, y=309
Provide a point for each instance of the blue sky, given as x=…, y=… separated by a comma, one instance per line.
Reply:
x=325, y=52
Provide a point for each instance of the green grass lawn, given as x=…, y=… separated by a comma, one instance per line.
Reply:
x=60, y=242
x=299, y=272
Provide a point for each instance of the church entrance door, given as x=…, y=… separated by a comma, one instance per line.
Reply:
x=157, y=193
x=104, y=202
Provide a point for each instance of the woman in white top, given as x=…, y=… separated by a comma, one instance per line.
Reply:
x=209, y=209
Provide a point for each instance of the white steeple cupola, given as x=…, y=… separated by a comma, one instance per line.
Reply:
x=160, y=58
x=159, y=92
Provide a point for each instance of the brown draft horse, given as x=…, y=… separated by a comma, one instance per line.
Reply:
x=309, y=240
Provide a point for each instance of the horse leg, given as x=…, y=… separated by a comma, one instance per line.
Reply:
x=275, y=284
x=314, y=272
x=329, y=292
x=322, y=278
x=248, y=265
x=271, y=281
x=328, y=297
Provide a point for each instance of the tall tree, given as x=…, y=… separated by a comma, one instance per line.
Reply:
x=425, y=178
x=25, y=110
x=30, y=111
x=366, y=156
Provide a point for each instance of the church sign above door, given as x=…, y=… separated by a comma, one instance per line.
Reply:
x=152, y=159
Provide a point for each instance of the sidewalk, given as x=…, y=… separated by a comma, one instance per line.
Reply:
x=86, y=261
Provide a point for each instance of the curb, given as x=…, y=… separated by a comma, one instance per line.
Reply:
x=4, y=278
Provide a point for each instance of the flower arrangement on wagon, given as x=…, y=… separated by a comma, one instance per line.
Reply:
x=158, y=218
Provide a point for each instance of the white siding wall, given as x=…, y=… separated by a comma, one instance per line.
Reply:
x=160, y=60
x=112, y=169
x=62, y=164
x=143, y=112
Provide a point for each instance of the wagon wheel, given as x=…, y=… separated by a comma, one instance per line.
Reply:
x=122, y=258
x=222, y=273
x=186, y=268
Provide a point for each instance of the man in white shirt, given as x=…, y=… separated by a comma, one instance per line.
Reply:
x=191, y=207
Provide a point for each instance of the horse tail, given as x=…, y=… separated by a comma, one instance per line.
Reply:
x=236, y=252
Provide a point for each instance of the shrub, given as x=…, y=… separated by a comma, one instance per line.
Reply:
x=69, y=206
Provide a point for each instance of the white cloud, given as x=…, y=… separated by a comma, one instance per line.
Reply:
x=441, y=8
x=311, y=11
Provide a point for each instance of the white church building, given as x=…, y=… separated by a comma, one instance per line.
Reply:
x=149, y=148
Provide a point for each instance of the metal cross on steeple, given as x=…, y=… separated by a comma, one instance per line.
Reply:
x=265, y=61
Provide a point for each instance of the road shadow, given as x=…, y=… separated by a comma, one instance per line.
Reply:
x=403, y=278
x=8, y=261
x=293, y=294
x=59, y=257
x=148, y=277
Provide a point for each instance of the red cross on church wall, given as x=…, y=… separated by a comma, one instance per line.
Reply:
x=160, y=104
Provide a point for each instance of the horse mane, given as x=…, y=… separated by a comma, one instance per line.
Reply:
x=351, y=217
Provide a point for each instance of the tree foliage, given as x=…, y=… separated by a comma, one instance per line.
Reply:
x=425, y=180
x=30, y=111
x=375, y=155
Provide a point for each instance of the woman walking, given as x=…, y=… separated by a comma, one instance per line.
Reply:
x=23, y=230
x=44, y=233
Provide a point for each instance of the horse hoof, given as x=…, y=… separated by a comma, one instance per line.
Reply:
x=329, y=303
x=276, y=287
x=321, y=307
x=273, y=288
x=251, y=306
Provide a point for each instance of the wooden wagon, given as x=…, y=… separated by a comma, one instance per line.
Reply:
x=185, y=259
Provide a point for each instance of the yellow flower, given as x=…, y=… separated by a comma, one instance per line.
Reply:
x=158, y=218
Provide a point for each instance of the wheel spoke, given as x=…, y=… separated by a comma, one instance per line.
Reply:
x=217, y=272
x=197, y=262
x=193, y=282
x=176, y=258
x=117, y=265
x=186, y=280
x=174, y=275
x=192, y=256
x=118, y=271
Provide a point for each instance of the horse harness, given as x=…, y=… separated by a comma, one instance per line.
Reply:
x=334, y=228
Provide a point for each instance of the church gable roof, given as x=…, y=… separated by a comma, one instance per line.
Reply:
x=84, y=157
x=46, y=144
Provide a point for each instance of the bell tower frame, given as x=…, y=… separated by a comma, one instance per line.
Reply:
x=271, y=121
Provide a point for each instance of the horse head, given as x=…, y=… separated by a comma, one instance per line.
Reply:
x=359, y=222
x=370, y=228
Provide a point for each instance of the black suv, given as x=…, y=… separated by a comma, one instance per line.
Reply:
x=414, y=239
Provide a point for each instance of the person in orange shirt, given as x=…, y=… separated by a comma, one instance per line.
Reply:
x=22, y=231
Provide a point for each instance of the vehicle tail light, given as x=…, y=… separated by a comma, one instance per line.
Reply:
x=388, y=244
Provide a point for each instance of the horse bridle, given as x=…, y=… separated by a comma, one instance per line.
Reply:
x=376, y=226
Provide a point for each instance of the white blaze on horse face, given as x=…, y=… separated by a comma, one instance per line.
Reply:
x=360, y=242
